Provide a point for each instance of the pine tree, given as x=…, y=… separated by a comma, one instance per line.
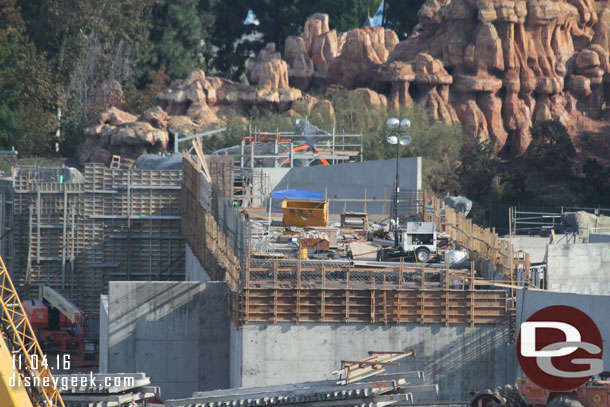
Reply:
x=175, y=40
x=28, y=95
x=401, y=16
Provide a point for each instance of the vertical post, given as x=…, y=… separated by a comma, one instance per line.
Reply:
x=323, y=293
x=365, y=200
x=347, y=296
x=291, y=155
x=241, y=155
x=472, y=293
x=64, y=241
x=277, y=135
x=384, y=200
x=275, y=293
x=251, y=154
x=333, y=145
x=38, y=216
x=446, y=292
x=397, y=185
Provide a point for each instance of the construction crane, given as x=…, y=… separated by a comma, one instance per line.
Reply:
x=25, y=377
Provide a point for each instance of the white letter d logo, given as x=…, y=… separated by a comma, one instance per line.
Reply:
x=528, y=339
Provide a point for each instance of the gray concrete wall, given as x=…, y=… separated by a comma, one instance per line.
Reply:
x=176, y=332
x=236, y=359
x=349, y=180
x=579, y=268
x=595, y=306
x=458, y=359
x=103, y=344
x=534, y=245
x=194, y=271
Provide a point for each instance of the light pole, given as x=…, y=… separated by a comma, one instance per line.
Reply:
x=398, y=129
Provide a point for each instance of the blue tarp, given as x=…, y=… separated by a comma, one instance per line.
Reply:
x=296, y=194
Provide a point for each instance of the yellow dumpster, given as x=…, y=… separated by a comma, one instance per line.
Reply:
x=305, y=213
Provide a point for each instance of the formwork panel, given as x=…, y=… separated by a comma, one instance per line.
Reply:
x=113, y=225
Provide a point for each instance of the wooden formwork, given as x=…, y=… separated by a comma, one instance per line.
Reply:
x=449, y=307
x=113, y=225
x=202, y=231
x=394, y=295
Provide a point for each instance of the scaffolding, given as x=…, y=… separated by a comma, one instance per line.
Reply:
x=76, y=233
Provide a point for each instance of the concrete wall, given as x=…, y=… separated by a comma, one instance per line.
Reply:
x=103, y=344
x=458, y=359
x=176, y=332
x=534, y=245
x=194, y=271
x=349, y=180
x=179, y=333
x=595, y=306
x=579, y=268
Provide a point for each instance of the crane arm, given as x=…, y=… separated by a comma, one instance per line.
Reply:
x=21, y=340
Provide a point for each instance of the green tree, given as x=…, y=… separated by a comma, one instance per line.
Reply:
x=228, y=41
x=175, y=40
x=594, y=187
x=476, y=175
x=281, y=18
x=517, y=188
x=552, y=147
x=27, y=105
x=401, y=16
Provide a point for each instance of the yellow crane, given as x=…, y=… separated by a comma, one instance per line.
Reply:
x=25, y=378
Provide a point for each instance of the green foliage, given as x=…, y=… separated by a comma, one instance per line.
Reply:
x=594, y=187
x=137, y=101
x=551, y=146
x=281, y=18
x=225, y=51
x=28, y=95
x=401, y=16
x=439, y=145
x=175, y=38
x=476, y=176
x=516, y=188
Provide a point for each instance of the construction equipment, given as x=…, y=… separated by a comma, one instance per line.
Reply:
x=61, y=327
x=305, y=212
x=20, y=355
x=417, y=240
x=594, y=393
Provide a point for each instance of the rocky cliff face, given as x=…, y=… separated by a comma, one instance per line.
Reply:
x=516, y=62
x=495, y=66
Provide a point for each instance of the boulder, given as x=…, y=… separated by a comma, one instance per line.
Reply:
x=139, y=133
x=201, y=114
x=156, y=116
x=116, y=117
x=182, y=125
x=253, y=68
x=323, y=112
